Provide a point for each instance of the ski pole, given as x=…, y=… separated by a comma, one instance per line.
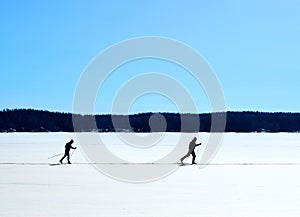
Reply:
x=55, y=155
x=73, y=151
x=198, y=149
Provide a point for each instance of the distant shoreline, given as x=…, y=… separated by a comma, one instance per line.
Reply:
x=30, y=120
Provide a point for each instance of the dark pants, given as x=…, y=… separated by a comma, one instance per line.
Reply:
x=188, y=154
x=194, y=156
x=67, y=154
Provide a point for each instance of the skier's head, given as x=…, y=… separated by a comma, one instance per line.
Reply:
x=195, y=139
x=72, y=141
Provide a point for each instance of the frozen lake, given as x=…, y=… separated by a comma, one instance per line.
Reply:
x=251, y=175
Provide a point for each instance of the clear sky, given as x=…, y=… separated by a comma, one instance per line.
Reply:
x=253, y=47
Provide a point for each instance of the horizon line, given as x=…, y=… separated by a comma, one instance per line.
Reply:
x=153, y=112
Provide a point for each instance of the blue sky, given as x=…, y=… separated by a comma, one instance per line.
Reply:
x=253, y=47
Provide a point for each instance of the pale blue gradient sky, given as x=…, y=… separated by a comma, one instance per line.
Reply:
x=253, y=46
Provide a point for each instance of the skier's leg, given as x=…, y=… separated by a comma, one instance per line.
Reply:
x=68, y=158
x=62, y=158
x=194, y=157
x=184, y=157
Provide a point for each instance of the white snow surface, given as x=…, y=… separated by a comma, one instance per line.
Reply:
x=255, y=174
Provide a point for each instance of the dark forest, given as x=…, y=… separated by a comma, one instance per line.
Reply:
x=29, y=120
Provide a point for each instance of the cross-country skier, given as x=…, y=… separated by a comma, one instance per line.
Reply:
x=68, y=147
x=192, y=146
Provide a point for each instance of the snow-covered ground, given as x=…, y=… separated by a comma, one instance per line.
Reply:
x=251, y=175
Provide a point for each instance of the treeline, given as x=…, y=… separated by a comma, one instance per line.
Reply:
x=28, y=120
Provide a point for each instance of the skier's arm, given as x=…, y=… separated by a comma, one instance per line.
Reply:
x=198, y=144
x=73, y=147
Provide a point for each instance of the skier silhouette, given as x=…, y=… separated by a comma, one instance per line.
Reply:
x=68, y=147
x=192, y=146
